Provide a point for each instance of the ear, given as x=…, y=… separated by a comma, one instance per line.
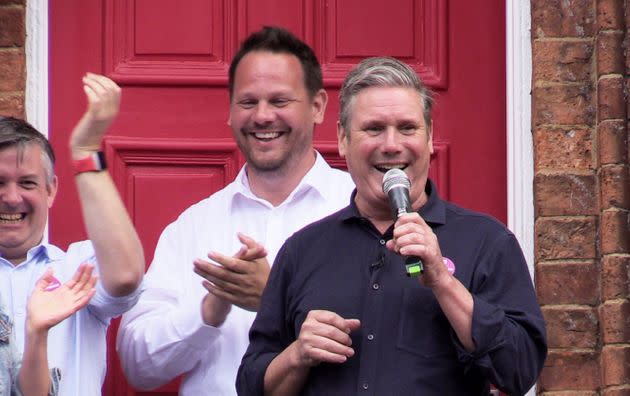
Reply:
x=319, y=102
x=52, y=191
x=341, y=140
x=430, y=141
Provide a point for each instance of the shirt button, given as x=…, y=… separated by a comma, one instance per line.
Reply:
x=375, y=286
x=382, y=241
x=365, y=385
x=370, y=337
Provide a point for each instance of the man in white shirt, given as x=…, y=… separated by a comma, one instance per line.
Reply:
x=28, y=185
x=195, y=322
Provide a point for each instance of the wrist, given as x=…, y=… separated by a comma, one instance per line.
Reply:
x=88, y=161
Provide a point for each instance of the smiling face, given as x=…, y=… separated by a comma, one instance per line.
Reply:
x=271, y=114
x=25, y=198
x=386, y=130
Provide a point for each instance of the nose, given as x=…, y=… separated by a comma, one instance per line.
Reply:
x=9, y=194
x=264, y=113
x=391, y=143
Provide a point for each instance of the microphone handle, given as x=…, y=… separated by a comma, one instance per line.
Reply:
x=413, y=266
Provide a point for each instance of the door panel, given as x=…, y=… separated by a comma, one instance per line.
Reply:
x=171, y=145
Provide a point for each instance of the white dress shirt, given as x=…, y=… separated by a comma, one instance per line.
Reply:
x=164, y=336
x=76, y=346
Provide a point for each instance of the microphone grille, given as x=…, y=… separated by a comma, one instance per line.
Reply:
x=395, y=177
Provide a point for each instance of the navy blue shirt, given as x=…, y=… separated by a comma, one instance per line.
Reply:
x=405, y=345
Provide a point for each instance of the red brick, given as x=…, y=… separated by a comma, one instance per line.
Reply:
x=624, y=391
x=611, y=103
x=562, y=61
x=612, y=142
x=565, y=238
x=615, y=365
x=610, y=14
x=615, y=277
x=571, y=393
x=563, y=104
x=12, y=105
x=12, y=32
x=567, y=283
x=568, y=370
x=565, y=194
x=563, y=18
x=610, y=53
x=571, y=327
x=557, y=148
x=12, y=73
x=614, y=183
x=615, y=321
x=615, y=231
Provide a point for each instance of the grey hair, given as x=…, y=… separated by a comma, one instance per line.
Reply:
x=381, y=72
x=19, y=134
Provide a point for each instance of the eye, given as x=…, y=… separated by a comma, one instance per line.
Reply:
x=280, y=102
x=374, y=129
x=408, y=129
x=247, y=103
x=28, y=184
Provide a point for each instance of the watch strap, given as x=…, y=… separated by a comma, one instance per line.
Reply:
x=95, y=162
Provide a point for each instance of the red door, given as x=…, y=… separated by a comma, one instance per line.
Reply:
x=171, y=145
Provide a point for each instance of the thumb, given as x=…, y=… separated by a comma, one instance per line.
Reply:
x=46, y=279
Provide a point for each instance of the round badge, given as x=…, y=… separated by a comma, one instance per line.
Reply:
x=450, y=265
x=54, y=283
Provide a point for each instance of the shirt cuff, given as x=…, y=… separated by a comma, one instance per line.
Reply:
x=487, y=323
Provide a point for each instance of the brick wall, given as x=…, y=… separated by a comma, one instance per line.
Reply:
x=582, y=193
x=12, y=58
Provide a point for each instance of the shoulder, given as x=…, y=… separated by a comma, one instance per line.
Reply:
x=481, y=222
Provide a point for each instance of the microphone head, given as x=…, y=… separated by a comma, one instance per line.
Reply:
x=395, y=178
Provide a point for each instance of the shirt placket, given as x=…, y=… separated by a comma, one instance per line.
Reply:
x=371, y=323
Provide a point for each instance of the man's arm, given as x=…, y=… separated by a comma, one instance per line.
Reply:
x=413, y=237
x=47, y=307
x=324, y=337
x=501, y=317
x=116, y=244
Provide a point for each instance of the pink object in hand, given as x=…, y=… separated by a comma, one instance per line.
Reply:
x=54, y=284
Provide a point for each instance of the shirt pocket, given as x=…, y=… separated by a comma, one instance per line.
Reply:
x=424, y=329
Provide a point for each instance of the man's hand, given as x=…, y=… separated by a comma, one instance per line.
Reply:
x=50, y=304
x=324, y=337
x=238, y=280
x=414, y=237
x=103, y=97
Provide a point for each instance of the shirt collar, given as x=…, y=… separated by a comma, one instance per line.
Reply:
x=43, y=252
x=315, y=180
x=433, y=211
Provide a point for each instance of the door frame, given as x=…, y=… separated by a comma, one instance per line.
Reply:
x=520, y=157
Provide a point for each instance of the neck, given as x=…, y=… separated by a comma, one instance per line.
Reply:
x=276, y=186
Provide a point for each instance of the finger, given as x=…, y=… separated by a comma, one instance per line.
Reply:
x=323, y=355
x=214, y=273
x=45, y=280
x=228, y=263
x=218, y=292
x=254, y=249
x=86, y=276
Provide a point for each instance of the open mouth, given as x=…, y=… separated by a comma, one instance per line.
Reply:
x=385, y=167
x=266, y=136
x=11, y=218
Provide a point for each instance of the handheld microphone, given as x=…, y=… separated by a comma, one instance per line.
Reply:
x=396, y=185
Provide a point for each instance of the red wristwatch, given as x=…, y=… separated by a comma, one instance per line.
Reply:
x=94, y=162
